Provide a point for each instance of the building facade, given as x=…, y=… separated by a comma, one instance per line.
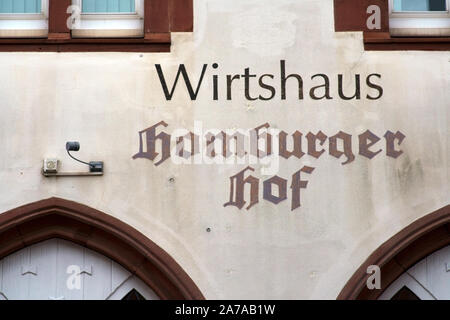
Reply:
x=258, y=149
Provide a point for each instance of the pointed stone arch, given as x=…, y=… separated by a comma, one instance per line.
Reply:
x=394, y=257
x=98, y=231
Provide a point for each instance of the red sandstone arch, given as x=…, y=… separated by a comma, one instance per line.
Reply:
x=59, y=218
x=421, y=238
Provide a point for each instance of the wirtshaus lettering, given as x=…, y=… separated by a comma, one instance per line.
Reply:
x=268, y=86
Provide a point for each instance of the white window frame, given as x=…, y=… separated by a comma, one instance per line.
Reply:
x=110, y=25
x=25, y=25
x=419, y=23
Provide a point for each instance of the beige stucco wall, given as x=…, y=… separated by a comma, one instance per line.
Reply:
x=268, y=252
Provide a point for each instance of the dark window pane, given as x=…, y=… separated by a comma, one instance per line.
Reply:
x=133, y=295
x=405, y=294
x=419, y=5
x=437, y=5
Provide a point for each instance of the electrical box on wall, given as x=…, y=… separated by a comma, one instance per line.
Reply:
x=51, y=165
x=50, y=168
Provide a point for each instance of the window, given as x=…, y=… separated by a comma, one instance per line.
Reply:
x=109, y=18
x=92, y=25
x=134, y=295
x=23, y=6
x=108, y=6
x=419, y=5
x=405, y=294
x=396, y=24
x=23, y=18
x=429, y=18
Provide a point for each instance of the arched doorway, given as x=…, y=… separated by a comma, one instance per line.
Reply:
x=106, y=236
x=401, y=259
x=58, y=269
x=428, y=279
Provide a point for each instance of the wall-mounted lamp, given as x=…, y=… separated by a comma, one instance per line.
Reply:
x=51, y=165
x=94, y=166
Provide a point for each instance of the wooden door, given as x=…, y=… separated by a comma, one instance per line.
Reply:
x=428, y=279
x=61, y=270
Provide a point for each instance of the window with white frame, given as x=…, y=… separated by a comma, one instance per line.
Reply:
x=109, y=18
x=419, y=18
x=23, y=18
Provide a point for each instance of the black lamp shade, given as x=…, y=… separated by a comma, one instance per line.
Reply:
x=72, y=146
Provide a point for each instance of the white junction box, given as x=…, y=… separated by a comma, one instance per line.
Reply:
x=51, y=165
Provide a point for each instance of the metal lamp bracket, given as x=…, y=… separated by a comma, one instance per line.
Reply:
x=50, y=168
